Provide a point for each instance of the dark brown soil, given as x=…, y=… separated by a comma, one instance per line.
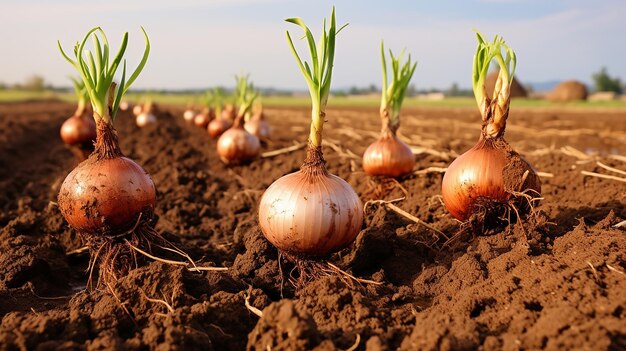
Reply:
x=554, y=282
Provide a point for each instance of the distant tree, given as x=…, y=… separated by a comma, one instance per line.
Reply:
x=603, y=82
x=34, y=82
x=2, y=86
x=454, y=90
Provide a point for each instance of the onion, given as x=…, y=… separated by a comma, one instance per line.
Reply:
x=109, y=198
x=124, y=105
x=106, y=195
x=486, y=176
x=218, y=126
x=79, y=130
x=203, y=118
x=389, y=157
x=258, y=127
x=310, y=213
x=491, y=180
x=189, y=115
x=145, y=118
x=236, y=146
x=137, y=109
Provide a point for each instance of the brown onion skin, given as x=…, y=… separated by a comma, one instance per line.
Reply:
x=218, y=126
x=237, y=146
x=201, y=120
x=479, y=173
x=145, y=118
x=106, y=196
x=78, y=130
x=389, y=157
x=258, y=127
x=310, y=215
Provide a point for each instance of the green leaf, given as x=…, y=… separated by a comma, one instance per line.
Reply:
x=141, y=64
x=119, y=93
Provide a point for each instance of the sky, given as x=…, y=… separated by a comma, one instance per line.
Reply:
x=204, y=43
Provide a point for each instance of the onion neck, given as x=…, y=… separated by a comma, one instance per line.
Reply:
x=314, y=163
x=391, y=123
x=106, y=146
x=317, y=125
x=80, y=109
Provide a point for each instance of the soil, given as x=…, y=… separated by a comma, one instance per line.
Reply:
x=555, y=281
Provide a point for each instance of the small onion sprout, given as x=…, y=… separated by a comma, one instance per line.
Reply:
x=312, y=213
x=236, y=145
x=79, y=131
x=491, y=181
x=146, y=116
x=389, y=156
x=222, y=120
x=108, y=198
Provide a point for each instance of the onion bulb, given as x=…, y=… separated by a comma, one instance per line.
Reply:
x=124, y=105
x=189, y=115
x=78, y=130
x=491, y=180
x=203, y=118
x=389, y=157
x=237, y=146
x=310, y=214
x=218, y=126
x=109, y=198
x=124, y=191
x=145, y=118
x=137, y=109
x=258, y=127
x=486, y=176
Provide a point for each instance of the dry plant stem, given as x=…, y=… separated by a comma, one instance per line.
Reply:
x=356, y=343
x=122, y=304
x=604, y=176
x=593, y=270
x=77, y=251
x=620, y=224
x=611, y=169
x=431, y=170
x=389, y=204
x=572, y=151
x=618, y=157
x=179, y=263
x=284, y=150
x=545, y=175
x=615, y=269
x=251, y=308
x=169, y=307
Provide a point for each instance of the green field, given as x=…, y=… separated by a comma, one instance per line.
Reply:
x=304, y=101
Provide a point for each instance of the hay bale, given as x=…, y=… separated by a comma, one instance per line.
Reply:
x=570, y=90
x=517, y=90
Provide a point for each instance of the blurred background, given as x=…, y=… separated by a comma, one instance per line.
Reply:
x=197, y=45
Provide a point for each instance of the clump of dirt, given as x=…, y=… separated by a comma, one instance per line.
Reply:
x=555, y=283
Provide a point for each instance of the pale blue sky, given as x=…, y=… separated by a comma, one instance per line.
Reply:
x=204, y=43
